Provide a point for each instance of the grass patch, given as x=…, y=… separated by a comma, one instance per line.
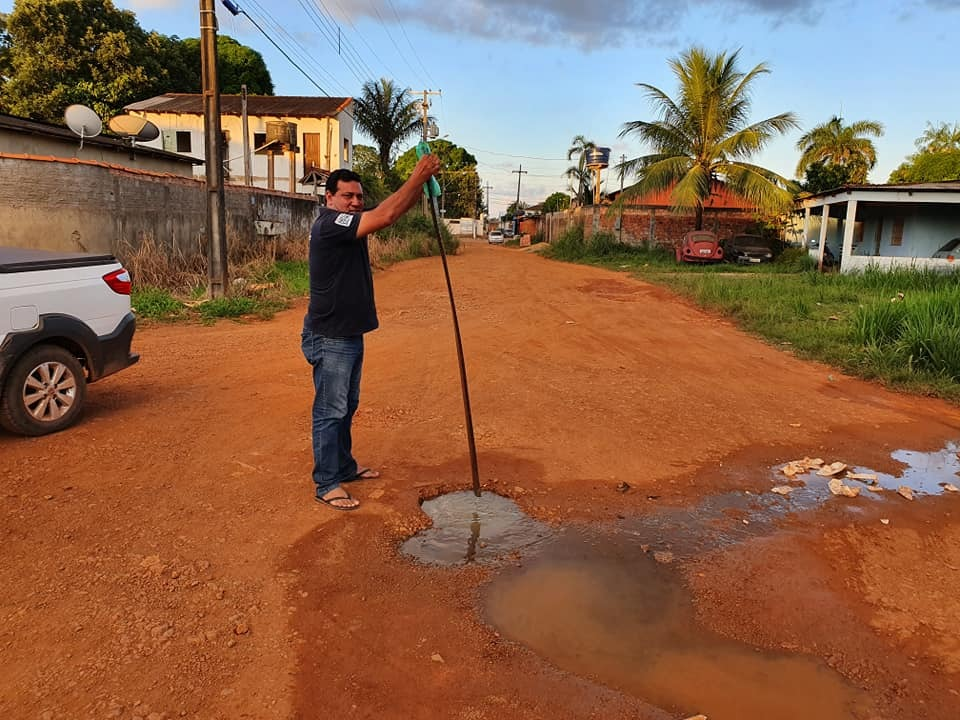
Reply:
x=265, y=276
x=901, y=327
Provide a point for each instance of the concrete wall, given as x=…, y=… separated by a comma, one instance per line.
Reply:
x=70, y=206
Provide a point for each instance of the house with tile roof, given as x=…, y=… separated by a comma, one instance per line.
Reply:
x=271, y=141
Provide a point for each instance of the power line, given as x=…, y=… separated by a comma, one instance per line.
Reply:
x=416, y=55
x=392, y=40
x=522, y=157
x=292, y=44
x=364, y=40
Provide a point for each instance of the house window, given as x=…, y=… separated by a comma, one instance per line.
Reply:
x=259, y=140
x=183, y=141
x=896, y=235
x=346, y=150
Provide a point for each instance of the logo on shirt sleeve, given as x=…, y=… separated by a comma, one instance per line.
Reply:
x=344, y=219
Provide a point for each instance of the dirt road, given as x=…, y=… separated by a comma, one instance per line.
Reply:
x=165, y=559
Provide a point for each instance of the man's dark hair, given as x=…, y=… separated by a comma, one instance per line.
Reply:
x=337, y=175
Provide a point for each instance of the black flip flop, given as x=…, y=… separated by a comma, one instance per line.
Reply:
x=359, y=475
x=329, y=503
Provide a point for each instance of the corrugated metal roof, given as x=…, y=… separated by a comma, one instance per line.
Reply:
x=59, y=132
x=257, y=105
x=946, y=185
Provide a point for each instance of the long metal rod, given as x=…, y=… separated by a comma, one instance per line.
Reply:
x=463, y=368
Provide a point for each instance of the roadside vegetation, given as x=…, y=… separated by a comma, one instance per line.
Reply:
x=900, y=327
x=264, y=279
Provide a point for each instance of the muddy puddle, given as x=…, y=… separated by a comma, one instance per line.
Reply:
x=600, y=607
x=471, y=529
x=610, y=602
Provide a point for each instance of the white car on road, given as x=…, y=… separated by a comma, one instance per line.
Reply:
x=65, y=321
x=495, y=237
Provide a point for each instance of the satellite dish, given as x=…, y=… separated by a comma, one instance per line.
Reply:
x=83, y=121
x=136, y=128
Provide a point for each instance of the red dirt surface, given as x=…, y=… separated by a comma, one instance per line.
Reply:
x=164, y=558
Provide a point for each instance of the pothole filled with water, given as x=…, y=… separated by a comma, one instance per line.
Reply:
x=598, y=606
x=611, y=603
x=471, y=529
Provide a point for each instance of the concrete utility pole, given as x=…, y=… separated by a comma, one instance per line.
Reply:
x=516, y=208
x=245, y=124
x=489, y=188
x=213, y=152
x=623, y=159
x=424, y=106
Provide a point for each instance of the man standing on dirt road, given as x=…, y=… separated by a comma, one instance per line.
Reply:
x=341, y=310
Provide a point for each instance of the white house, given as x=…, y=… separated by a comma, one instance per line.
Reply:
x=294, y=142
x=909, y=225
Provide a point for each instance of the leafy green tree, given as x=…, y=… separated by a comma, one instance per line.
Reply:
x=515, y=208
x=581, y=178
x=820, y=177
x=237, y=65
x=60, y=52
x=366, y=163
x=705, y=135
x=462, y=194
x=834, y=143
x=937, y=158
x=388, y=115
x=57, y=52
x=556, y=201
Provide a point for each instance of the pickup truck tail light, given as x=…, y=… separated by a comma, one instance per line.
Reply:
x=119, y=281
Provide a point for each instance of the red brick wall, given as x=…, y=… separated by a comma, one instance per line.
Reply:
x=668, y=228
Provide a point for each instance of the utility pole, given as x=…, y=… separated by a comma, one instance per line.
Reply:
x=489, y=188
x=519, y=173
x=623, y=159
x=213, y=152
x=424, y=106
x=245, y=124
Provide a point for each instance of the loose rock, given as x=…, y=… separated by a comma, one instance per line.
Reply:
x=906, y=492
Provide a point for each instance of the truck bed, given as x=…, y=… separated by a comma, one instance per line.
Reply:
x=27, y=260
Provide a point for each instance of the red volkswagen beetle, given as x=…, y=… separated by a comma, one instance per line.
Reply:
x=699, y=246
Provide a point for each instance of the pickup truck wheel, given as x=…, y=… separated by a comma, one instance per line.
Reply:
x=44, y=392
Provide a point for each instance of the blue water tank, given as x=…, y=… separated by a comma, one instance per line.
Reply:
x=598, y=157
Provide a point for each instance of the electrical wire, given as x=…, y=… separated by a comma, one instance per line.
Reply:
x=292, y=45
x=373, y=52
x=416, y=55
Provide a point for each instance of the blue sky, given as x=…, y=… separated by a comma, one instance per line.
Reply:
x=521, y=78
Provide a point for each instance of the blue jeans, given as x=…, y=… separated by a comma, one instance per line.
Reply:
x=336, y=379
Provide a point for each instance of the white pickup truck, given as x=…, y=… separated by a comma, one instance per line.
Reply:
x=65, y=321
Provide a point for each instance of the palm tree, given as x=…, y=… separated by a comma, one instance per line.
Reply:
x=704, y=135
x=834, y=143
x=582, y=178
x=388, y=115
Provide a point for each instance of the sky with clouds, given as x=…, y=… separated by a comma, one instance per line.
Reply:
x=521, y=78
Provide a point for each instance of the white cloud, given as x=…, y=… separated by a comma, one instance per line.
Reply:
x=558, y=22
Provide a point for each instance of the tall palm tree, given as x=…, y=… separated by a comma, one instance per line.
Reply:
x=705, y=135
x=834, y=143
x=388, y=115
x=579, y=174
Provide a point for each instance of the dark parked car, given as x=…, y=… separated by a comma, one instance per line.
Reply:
x=950, y=250
x=745, y=249
x=699, y=246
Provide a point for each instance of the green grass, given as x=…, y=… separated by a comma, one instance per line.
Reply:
x=156, y=304
x=900, y=327
x=261, y=288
